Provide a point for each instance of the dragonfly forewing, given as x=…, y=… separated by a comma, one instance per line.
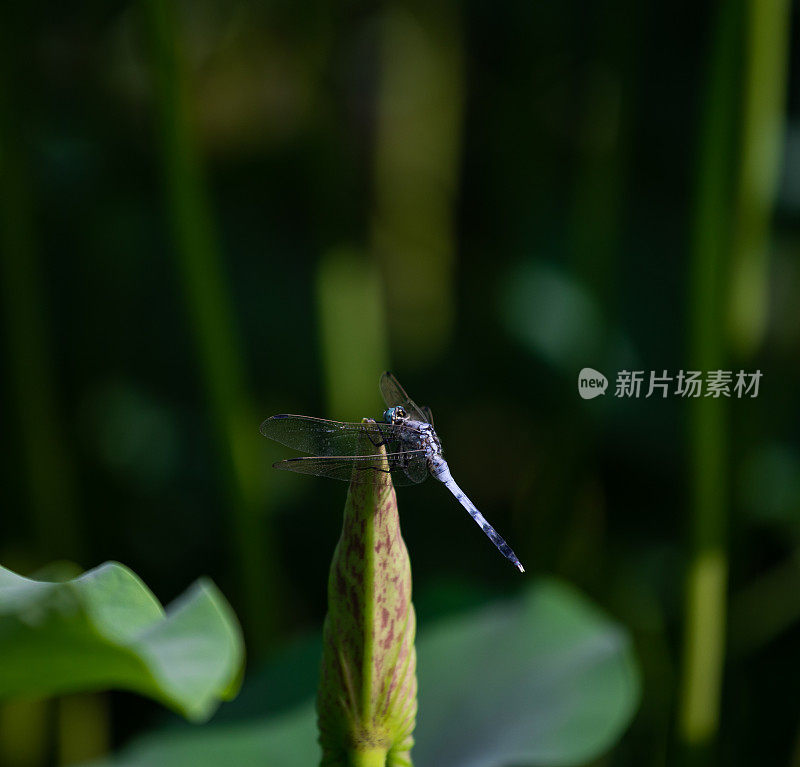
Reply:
x=333, y=438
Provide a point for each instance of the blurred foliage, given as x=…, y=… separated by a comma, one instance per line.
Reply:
x=542, y=679
x=524, y=187
x=106, y=629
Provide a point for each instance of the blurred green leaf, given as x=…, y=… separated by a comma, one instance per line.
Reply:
x=552, y=315
x=106, y=629
x=287, y=740
x=543, y=679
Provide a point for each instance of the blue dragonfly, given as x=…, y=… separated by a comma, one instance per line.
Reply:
x=347, y=451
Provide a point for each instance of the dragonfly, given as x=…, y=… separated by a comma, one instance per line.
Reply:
x=348, y=451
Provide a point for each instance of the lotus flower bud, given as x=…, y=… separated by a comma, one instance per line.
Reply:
x=367, y=699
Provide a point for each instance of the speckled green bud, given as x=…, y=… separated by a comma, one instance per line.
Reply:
x=367, y=699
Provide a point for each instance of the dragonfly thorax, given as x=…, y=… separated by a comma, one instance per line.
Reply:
x=419, y=435
x=426, y=438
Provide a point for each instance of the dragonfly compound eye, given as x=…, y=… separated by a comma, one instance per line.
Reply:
x=394, y=414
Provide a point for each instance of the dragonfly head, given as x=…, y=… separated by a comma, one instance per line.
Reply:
x=395, y=414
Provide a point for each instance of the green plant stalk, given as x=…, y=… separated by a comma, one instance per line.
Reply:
x=212, y=321
x=25, y=733
x=367, y=699
x=763, y=120
x=83, y=728
x=706, y=582
x=352, y=331
x=417, y=151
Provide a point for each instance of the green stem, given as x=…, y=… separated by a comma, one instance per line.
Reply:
x=352, y=331
x=763, y=120
x=706, y=585
x=372, y=758
x=704, y=628
x=212, y=321
x=83, y=727
x=728, y=283
x=25, y=733
x=417, y=150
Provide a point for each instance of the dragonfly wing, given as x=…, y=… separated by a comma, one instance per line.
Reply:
x=332, y=438
x=405, y=468
x=426, y=411
x=394, y=395
x=415, y=468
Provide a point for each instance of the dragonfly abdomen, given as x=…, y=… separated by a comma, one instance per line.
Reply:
x=438, y=467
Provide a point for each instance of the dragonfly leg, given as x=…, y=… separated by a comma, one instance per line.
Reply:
x=369, y=436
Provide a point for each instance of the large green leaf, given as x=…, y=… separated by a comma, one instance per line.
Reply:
x=105, y=629
x=545, y=679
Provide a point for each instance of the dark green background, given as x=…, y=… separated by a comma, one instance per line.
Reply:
x=497, y=195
